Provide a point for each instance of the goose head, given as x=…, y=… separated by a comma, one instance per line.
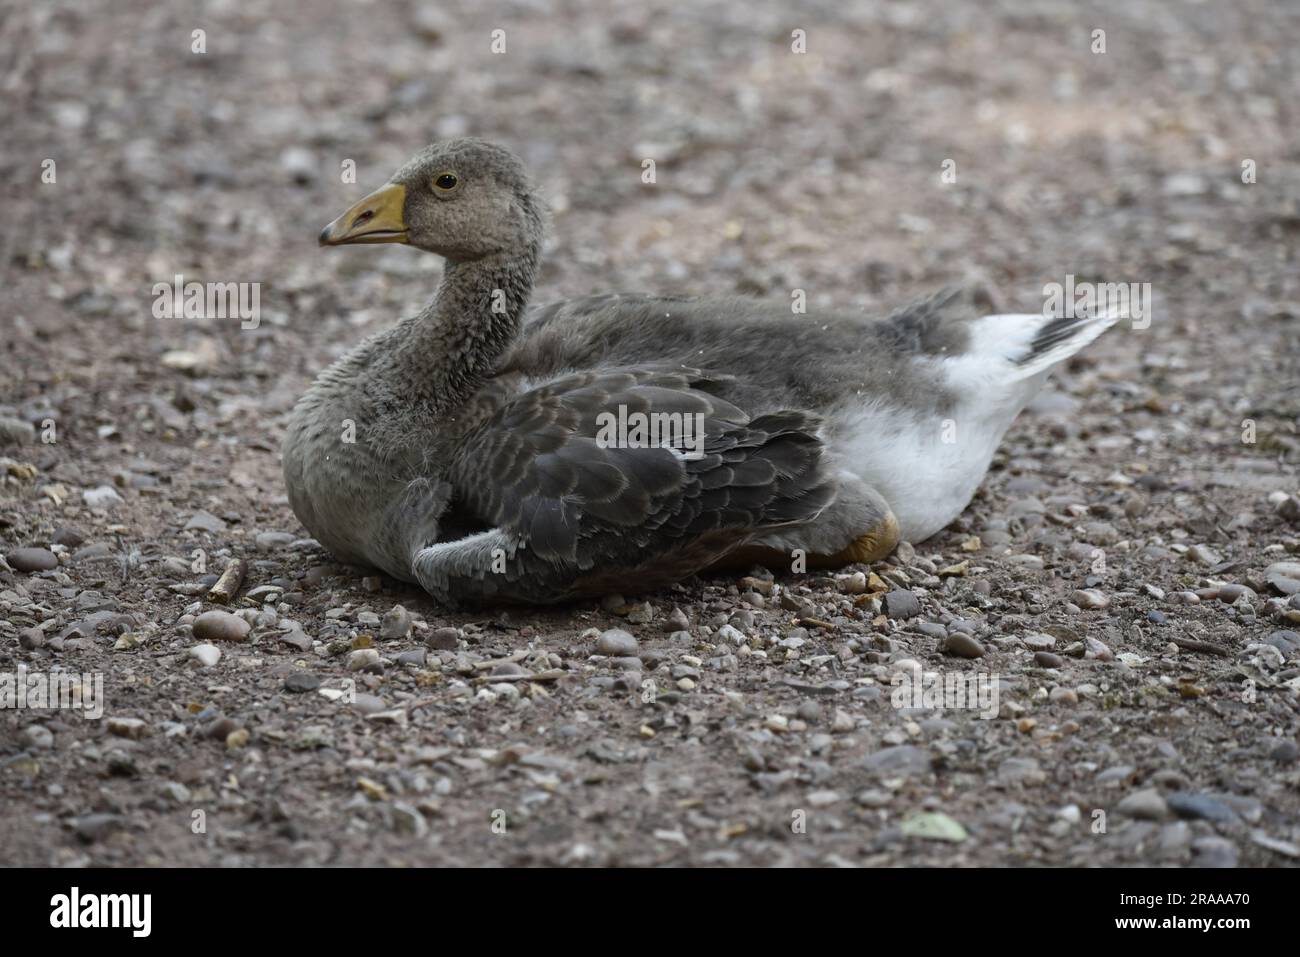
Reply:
x=464, y=199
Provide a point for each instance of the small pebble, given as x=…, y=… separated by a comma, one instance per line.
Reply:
x=296, y=638
x=616, y=643
x=1200, y=806
x=730, y=635
x=1284, y=577
x=1036, y=641
x=901, y=604
x=407, y=819
x=1175, y=838
x=102, y=496
x=175, y=791
x=1097, y=649
x=368, y=703
x=95, y=827
x=641, y=614
x=220, y=626
x=362, y=659
x=301, y=682
x=1214, y=851
x=15, y=431
x=442, y=639
x=676, y=621
x=37, y=737
x=396, y=624
x=1146, y=805
x=1231, y=593
x=809, y=711
x=855, y=584
x=963, y=646
x=270, y=541
x=1091, y=599
x=219, y=727
x=127, y=727
x=898, y=759
x=204, y=522
x=32, y=560
x=1286, y=752
x=206, y=655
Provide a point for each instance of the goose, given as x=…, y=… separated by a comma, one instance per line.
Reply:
x=483, y=450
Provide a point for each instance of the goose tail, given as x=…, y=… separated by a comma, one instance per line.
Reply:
x=1057, y=338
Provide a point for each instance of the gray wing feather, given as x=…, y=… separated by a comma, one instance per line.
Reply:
x=535, y=471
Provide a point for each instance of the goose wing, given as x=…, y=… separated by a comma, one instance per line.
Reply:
x=562, y=472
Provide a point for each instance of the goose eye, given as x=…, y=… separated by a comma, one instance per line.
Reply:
x=446, y=181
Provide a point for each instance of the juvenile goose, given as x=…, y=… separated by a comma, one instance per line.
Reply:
x=466, y=448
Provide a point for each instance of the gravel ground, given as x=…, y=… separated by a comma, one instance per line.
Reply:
x=1122, y=575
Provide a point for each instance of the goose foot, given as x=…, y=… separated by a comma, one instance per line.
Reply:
x=871, y=547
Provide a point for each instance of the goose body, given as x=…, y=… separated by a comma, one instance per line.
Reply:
x=914, y=404
x=462, y=449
